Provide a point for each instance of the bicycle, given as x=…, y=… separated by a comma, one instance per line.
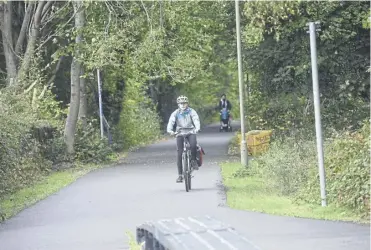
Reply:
x=186, y=162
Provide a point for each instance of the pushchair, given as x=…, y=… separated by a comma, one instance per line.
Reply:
x=225, y=121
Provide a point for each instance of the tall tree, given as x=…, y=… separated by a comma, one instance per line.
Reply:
x=6, y=31
x=23, y=24
x=73, y=111
x=32, y=40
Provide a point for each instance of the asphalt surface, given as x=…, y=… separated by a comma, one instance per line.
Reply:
x=94, y=212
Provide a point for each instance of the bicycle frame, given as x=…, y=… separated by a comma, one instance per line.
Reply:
x=186, y=161
x=186, y=149
x=186, y=144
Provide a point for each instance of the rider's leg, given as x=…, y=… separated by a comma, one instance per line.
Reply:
x=193, y=143
x=179, y=146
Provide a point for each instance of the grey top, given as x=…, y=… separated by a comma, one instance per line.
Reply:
x=186, y=121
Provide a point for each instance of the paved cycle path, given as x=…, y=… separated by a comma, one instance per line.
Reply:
x=94, y=212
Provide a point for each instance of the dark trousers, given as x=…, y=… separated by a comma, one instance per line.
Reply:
x=179, y=144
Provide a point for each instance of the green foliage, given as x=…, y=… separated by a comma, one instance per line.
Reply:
x=287, y=114
x=139, y=123
x=278, y=58
x=157, y=49
x=290, y=168
x=132, y=242
x=150, y=52
x=48, y=185
x=285, y=165
x=90, y=148
x=347, y=161
x=247, y=191
x=21, y=162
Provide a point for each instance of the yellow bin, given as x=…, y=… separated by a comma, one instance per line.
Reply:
x=257, y=141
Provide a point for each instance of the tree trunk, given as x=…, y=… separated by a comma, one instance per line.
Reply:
x=24, y=29
x=6, y=23
x=83, y=100
x=31, y=45
x=70, y=128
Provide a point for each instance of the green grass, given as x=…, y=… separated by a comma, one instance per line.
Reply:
x=48, y=185
x=252, y=193
x=13, y=204
x=132, y=242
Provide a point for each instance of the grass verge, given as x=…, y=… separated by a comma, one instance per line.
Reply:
x=50, y=184
x=25, y=197
x=252, y=193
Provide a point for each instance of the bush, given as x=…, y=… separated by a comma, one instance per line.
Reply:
x=286, y=164
x=21, y=161
x=31, y=140
x=89, y=146
x=138, y=124
x=347, y=162
x=291, y=169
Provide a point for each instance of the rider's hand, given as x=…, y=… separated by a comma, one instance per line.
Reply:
x=171, y=133
x=197, y=131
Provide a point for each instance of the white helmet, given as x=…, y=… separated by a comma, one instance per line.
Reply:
x=182, y=99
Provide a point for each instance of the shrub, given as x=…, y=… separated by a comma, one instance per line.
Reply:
x=89, y=146
x=21, y=162
x=291, y=168
x=347, y=162
x=286, y=164
x=138, y=124
x=31, y=140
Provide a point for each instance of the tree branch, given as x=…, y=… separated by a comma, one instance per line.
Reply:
x=46, y=8
x=46, y=20
x=35, y=33
x=53, y=35
x=51, y=80
x=38, y=13
x=148, y=19
x=24, y=28
x=30, y=87
x=8, y=20
x=56, y=32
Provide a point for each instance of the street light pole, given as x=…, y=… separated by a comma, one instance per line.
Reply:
x=100, y=104
x=317, y=111
x=244, y=160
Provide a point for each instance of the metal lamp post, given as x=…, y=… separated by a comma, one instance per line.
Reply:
x=244, y=159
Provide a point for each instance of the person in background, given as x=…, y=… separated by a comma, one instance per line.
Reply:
x=224, y=104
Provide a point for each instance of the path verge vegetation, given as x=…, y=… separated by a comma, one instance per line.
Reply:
x=285, y=179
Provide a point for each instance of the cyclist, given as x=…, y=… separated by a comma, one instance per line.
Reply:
x=187, y=121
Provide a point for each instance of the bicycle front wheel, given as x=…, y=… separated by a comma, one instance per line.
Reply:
x=189, y=178
x=185, y=161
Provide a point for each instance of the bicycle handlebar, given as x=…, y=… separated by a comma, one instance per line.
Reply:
x=185, y=134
